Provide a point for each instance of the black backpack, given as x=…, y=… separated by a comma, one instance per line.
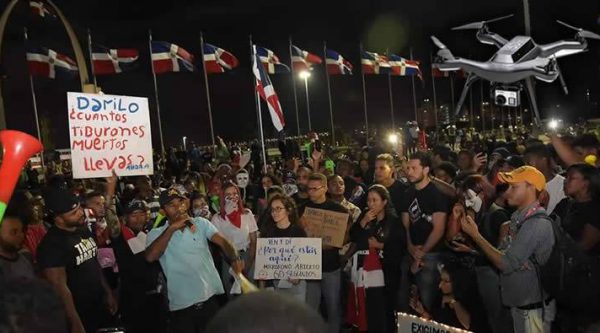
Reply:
x=570, y=276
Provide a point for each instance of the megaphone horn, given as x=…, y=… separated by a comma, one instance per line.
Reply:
x=17, y=148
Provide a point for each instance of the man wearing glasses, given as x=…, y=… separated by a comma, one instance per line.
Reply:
x=329, y=286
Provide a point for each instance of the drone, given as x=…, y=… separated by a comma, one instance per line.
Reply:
x=517, y=61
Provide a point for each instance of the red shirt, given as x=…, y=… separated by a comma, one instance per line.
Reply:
x=33, y=237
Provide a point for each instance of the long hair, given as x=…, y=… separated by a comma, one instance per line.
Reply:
x=463, y=282
x=290, y=206
x=591, y=175
x=227, y=185
x=384, y=194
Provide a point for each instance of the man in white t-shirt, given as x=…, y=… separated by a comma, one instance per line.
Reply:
x=538, y=155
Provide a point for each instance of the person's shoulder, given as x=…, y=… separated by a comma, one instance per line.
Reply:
x=332, y=205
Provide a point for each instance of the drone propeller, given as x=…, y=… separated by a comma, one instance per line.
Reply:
x=580, y=31
x=481, y=24
x=438, y=43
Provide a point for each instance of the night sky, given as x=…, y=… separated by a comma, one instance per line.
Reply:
x=379, y=24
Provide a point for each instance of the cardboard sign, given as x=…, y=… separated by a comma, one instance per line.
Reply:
x=109, y=132
x=325, y=224
x=288, y=258
x=412, y=324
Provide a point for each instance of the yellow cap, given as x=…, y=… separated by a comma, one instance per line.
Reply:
x=526, y=174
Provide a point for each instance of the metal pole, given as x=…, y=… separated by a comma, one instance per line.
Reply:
x=364, y=99
x=329, y=93
x=391, y=95
x=307, y=103
x=90, y=53
x=254, y=62
x=210, y=119
x=294, y=88
x=471, y=107
x=162, y=142
x=435, y=108
x=413, y=89
x=35, y=110
x=451, y=77
x=527, y=17
x=481, y=106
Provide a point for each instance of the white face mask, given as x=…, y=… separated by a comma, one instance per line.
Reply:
x=473, y=201
x=202, y=212
x=242, y=179
x=290, y=189
x=230, y=206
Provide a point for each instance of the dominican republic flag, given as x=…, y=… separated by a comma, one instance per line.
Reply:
x=336, y=64
x=270, y=61
x=42, y=9
x=167, y=57
x=373, y=63
x=48, y=63
x=112, y=61
x=217, y=60
x=405, y=67
x=267, y=92
x=436, y=72
x=304, y=60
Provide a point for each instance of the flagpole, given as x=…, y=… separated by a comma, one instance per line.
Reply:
x=413, y=89
x=162, y=142
x=90, y=52
x=210, y=119
x=294, y=88
x=471, y=107
x=328, y=92
x=35, y=110
x=435, y=105
x=390, y=93
x=451, y=77
x=307, y=103
x=364, y=98
x=258, y=108
x=482, y=111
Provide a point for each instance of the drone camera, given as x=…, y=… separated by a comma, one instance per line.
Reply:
x=507, y=97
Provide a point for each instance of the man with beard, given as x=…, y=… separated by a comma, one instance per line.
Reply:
x=424, y=210
x=302, y=175
x=67, y=259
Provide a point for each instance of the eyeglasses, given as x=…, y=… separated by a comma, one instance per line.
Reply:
x=277, y=209
x=232, y=196
x=313, y=189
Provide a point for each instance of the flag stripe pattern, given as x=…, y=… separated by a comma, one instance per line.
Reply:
x=217, y=60
x=404, y=67
x=304, y=60
x=168, y=57
x=112, y=61
x=49, y=63
x=336, y=64
x=267, y=92
x=271, y=61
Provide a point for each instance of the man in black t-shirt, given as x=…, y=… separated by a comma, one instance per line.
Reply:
x=424, y=210
x=330, y=284
x=384, y=175
x=143, y=304
x=67, y=259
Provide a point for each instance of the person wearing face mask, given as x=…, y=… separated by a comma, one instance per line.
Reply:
x=200, y=206
x=239, y=227
x=376, y=251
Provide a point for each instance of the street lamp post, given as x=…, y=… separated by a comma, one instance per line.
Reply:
x=305, y=75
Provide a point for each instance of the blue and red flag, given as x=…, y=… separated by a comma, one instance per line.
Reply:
x=265, y=89
x=336, y=64
x=304, y=60
x=405, y=67
x=271, y=61
x=217, y=60
x=112, y=61
x=168, y=57
x=49, y=63
x=373, y=63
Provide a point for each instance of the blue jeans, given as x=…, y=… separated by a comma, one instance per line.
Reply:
x=329, y=287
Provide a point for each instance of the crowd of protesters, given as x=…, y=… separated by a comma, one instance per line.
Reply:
x=459, y=233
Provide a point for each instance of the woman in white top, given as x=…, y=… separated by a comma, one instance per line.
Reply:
x=238, y=226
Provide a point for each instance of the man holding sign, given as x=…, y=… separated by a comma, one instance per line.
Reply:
x=329, y=285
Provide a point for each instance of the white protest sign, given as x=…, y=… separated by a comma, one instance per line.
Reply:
x=412, y=324
x=109, y=132
x=288, y=258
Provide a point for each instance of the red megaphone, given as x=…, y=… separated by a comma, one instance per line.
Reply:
x=18, y=147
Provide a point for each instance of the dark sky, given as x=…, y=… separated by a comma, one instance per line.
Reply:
x=379, y=24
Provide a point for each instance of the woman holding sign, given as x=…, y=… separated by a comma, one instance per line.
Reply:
x=283, y=222
x=239, y=227
x=376, y=252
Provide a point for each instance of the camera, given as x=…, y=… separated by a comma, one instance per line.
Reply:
x=507, y=96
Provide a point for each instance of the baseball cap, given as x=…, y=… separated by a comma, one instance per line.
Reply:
x=169, y=195
x=135, y=205
x=526, y=174
x=59, y=200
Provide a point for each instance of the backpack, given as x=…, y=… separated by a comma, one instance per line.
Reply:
x=569, y=275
